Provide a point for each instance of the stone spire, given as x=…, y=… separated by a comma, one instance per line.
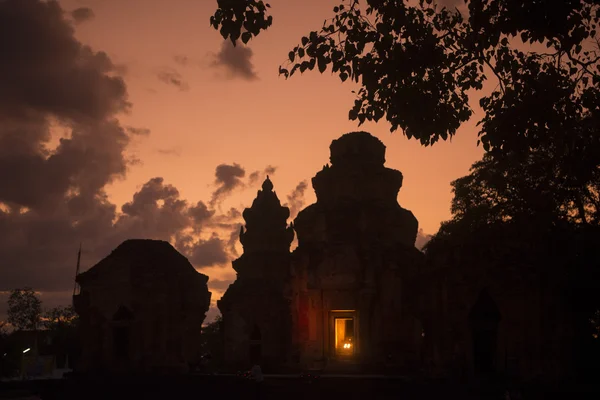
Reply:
x=357, y=172
x=357, y=198
x=266, y=223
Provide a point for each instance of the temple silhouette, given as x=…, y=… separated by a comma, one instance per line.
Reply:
x=356, y=295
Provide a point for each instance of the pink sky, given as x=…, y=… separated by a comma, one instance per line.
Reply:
x=288, y=124
x=218, y=119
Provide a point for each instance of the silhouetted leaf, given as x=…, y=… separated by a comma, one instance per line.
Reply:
x=246, y=36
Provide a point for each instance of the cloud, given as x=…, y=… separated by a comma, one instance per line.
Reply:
x=259, y=176
x=227, y=178
x=200, y=215
x=220, y=284
x=138, y=131
x=422, y=239
x=173, y=78
x=296, y=199
x=82, y=14
x=236, y=61
x=213, y=312
x=210, y=252
x=182, y=60
x=52, y=196
x=174, y=151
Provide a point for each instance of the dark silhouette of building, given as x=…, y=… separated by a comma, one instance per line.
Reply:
x=141, y=309
x=337, y=300
x=357, y=295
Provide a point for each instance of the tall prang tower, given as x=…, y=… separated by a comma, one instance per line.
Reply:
x=257, y=325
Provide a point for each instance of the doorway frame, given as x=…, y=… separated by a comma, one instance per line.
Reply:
x=333, y=315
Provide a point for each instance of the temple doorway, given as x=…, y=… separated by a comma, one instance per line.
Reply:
x=343, y=334
x=484, y=319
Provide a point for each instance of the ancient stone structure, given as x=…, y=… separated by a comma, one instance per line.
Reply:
x=141, y=309
x=356, y=293
x=258, y=322
x=339, y=296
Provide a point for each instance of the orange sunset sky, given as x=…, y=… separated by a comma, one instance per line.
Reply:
x=205, y=105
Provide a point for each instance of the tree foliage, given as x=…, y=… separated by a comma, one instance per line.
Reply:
x=524, y=194
x=24, y=309
x=538, y=185
x=418, y=64
x=59, y=318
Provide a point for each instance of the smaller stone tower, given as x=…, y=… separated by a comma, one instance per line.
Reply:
x=256, y=307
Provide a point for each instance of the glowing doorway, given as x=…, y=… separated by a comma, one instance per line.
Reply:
x=344, y=336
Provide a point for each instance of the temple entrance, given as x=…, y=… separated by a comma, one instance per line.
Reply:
x=344, y=336
x=484, y=318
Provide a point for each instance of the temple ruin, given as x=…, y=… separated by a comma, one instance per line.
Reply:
x=141, y=310
x=356, y=295
x=337, y=300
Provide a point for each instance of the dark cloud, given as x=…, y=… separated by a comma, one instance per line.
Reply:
x=182, y=60
x=270, y=170
x=208, y=253
x=52, y=193
x=227, y=178
x=173, y=78
x=422, y=239
x=234, y=237
x=296, y=199
x=236, y=61
x=200, y=215
x=82, y=14
x=259, y=176
x=76, y=84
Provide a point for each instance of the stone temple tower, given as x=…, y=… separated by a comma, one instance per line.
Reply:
x=339, y=301
x=354, y=261
x=255, y=308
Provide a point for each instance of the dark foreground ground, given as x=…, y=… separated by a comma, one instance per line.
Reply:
x=288, y=388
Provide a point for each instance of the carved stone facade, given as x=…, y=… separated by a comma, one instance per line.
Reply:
x=141, y=309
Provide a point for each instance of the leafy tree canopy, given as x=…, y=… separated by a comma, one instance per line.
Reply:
x=527, y=193
x=418, y=63
x=24, y=309
x=60, y=317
